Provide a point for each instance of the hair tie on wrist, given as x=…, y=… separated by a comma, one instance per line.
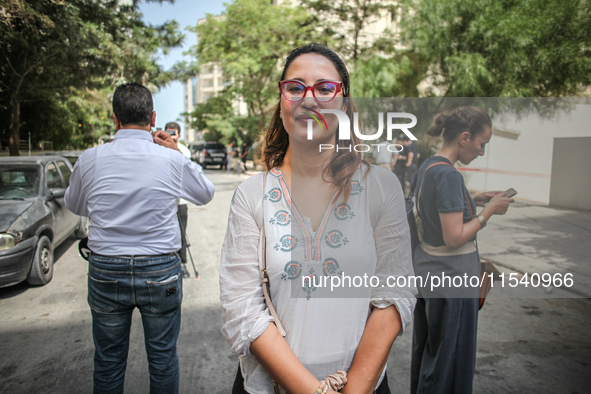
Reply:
x=337, y=380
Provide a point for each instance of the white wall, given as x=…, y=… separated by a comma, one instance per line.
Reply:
x=571, y=179
x=525, y=162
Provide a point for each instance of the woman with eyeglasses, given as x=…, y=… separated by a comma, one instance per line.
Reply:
x=319, y=215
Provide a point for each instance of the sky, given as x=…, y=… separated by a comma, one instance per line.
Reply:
x=168, y=101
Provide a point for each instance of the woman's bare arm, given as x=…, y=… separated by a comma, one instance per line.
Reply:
x=456, y=233
x=371, y=356
x=273, y=352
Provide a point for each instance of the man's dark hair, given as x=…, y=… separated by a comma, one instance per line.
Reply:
x=133, y=104
x=173, y=126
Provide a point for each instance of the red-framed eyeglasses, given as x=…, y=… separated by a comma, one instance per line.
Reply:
x=323, y=91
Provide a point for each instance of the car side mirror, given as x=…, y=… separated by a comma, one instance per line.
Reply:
x=54, y=193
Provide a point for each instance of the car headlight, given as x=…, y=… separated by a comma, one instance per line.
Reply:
x=7, y=241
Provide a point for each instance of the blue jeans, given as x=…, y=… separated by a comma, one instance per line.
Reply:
x=116, y=285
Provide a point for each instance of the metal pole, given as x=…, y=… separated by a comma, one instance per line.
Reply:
x=29, y=143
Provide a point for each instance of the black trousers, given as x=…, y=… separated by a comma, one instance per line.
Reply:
x=183, y=215
x=444, y=345
x=238, y=387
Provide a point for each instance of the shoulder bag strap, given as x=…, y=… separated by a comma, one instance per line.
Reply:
x=423, y=180
x=264, y=275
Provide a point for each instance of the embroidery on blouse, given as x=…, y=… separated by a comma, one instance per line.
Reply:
x=308, y=284
x=274, y=195
x=343, y=212
x=331, y=267
x=287, y=243
x=356, y=188
x=291, y=270
x=335, y=239
x=281, y=218
x=307, y=239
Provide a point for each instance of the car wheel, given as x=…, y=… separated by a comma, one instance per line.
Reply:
x=82, y=230
x=42, y=267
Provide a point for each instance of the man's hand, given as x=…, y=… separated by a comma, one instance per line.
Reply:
x=164, y=139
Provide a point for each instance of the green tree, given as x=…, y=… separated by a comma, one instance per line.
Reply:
x=502, y=48
x=344, y=22
x=249, y=40
x=60, y=59
x=393, y=76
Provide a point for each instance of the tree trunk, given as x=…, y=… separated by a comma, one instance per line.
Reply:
x=15, y=126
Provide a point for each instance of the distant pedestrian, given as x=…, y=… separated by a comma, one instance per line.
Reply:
x=412, y=160
x=244, y=155
x=445, y=321
x=174, y=129
x=229, y=157
x=130, y=188
x=383, y=155
x=399, y=160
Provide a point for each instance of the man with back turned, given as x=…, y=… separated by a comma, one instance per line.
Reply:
x=130, y=189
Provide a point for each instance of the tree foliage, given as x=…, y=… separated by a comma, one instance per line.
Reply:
x=502, y=48
x=250, y=40
x=61, y=60
x=344, y=23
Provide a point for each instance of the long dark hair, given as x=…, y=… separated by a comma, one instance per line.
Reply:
x=344, y=163
x=468, y=118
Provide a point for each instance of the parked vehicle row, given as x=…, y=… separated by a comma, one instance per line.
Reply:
x=33, y=217
x=210, y=154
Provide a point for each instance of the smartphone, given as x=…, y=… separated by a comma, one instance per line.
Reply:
x=171, y=131
x=510, y=192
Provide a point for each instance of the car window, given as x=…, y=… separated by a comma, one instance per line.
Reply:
x=215, y=146
x=53, y=177
x=65, y=170
x=19, y=181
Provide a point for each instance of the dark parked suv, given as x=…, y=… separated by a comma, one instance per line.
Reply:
x=211, y=154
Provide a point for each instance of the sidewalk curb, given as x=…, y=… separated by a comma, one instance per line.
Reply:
x=574, y=289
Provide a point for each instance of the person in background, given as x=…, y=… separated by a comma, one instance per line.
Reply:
x=445, y=321
x=412, y=160
x=174, y=129
x=383, y=156
x=229, y=157
x=130, y=188
x=399, y=160
x=244, y=155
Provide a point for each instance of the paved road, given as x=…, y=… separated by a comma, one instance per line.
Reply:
x=525, y=345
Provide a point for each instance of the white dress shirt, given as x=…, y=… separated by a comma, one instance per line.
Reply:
x=381, y=153
x=367, y=235
x=130, y=189
x=184, y=150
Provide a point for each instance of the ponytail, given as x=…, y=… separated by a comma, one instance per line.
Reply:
x=437, y=129
x=472, y=119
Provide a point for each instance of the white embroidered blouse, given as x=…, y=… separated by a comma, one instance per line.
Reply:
x=366, y=236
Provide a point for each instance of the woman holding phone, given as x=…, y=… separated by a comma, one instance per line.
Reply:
x=445, y=322
x=323, y=214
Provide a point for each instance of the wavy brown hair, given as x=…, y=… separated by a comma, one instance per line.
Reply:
x=344, y=163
